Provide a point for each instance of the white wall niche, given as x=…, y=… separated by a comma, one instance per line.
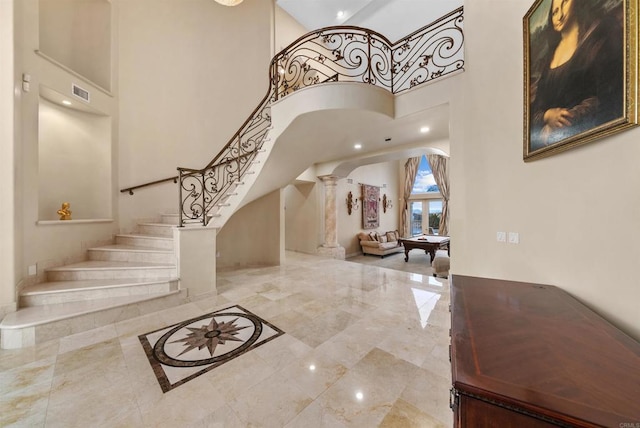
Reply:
x=74, y=162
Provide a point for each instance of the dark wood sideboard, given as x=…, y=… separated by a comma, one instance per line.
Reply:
x=530, y=355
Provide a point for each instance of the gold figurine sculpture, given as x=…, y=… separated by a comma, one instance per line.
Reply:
x=65, y=212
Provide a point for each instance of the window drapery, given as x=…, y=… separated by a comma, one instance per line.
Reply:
x=410, y=170
x=440, y=168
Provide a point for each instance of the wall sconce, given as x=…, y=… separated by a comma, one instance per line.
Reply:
x=352, y=204
x=386, y=203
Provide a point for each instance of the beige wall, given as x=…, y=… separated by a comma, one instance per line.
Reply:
x=8, y=229
x=302, y=216
x=287, y=29
x=350, y=225
x=254, y=235
x=577, y=213
x=186, y=86
x=77, y=33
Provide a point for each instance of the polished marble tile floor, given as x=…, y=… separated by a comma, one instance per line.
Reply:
x=419, y=261
x=363, y=346
x=187, y=349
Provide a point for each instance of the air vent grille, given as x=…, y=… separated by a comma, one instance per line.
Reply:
x=83, y=94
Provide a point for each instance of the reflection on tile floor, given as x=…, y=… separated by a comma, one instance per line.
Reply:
x=419, y=262
x=186, y=350
x=364, y=346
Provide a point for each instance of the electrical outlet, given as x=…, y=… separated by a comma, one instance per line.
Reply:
x=501, y=237
x=514, y=238
x=32, y=270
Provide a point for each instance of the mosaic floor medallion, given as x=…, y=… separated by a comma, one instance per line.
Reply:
x=186, y=350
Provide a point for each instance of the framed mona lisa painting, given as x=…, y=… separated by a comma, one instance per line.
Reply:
x=580, y=73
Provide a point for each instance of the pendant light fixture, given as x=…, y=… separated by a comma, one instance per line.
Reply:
x=229, y=2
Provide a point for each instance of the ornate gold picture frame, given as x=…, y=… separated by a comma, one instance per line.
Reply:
x=580, y=73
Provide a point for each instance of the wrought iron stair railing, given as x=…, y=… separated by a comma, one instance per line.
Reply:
x=332, y=54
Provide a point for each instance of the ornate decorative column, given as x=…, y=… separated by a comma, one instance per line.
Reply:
x=331, y=247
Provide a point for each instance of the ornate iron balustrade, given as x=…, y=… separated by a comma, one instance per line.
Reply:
x=332, y=54
x=353, y=54
x=200, y=190
x=429, y=53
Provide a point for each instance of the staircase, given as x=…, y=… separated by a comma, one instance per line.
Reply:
x=135, y=275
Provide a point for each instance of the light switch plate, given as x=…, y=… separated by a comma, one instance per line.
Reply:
x=501, y=237
x=514, y=238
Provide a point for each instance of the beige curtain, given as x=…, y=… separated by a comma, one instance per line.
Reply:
x=440, y=168
x=410, y=171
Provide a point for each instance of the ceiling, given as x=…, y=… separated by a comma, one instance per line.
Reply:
x=392, y=18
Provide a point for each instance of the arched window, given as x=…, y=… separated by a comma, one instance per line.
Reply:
x=425, y=183
x=425, y=197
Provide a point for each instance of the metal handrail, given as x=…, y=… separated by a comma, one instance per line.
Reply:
x=330, y=54
x=131, y=189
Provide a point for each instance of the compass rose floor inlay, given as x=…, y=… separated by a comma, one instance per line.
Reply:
x=186, y=350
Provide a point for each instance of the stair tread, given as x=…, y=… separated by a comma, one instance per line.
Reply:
x=157, y=224
x=135, y=248
x=106, y=265
x=88, y=284
x=37, y=315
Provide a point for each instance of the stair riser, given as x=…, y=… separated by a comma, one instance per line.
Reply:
x=131, y=256
x=147, y=229
x=102, y=293
x=145, y=242
x=74, y=275
x=171, y=219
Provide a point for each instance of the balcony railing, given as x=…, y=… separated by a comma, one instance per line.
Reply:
x=332, y=54
x=353, y=54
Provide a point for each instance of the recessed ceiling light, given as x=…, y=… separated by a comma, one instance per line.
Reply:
x=66, y=102
x=357, y=146
x=340, y=13
x=424, y=129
